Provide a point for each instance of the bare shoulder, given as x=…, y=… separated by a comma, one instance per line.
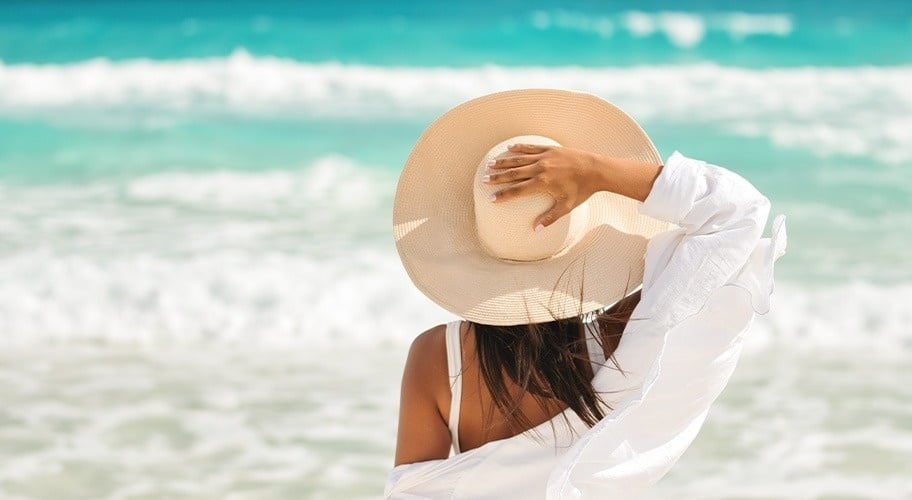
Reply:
x=423, y=433
x=427, y=358
x=435, y=334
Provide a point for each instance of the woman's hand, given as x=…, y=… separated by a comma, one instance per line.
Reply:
x=568, y=175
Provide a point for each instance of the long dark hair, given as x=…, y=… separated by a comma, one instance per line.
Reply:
x=548, y=361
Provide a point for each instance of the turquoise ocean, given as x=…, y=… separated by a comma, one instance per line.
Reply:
x=199, y=293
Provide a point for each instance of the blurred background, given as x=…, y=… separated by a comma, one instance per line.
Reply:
x=199, y=293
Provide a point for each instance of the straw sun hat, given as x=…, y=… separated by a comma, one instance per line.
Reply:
x=483, y=261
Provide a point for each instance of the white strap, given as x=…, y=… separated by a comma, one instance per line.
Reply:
x=594, y=346
x=454, y=367
x=454, y=364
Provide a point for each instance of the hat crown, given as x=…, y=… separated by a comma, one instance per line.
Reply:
x=506, y=229
x=453, y=241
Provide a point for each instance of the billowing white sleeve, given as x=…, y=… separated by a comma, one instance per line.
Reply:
x=702, y=283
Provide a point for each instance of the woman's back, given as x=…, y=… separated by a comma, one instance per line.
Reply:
x=479, y=419
x=512, y=379
x=569, y=351
x=687, y=231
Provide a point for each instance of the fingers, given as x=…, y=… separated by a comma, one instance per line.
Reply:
x=514, y=161
x=527, y=148
x=524, y=154
x=517, y=190
x=529, y=185
x=512, y=175
x=558, y=210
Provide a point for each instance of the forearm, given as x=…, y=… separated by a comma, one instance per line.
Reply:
x=627, y=177
x=568, y=175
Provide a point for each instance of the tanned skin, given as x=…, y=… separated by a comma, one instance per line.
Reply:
x=570, y=176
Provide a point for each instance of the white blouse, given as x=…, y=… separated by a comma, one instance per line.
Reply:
x=702, y=284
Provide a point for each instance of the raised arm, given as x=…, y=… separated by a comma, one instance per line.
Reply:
x=570, y=176
x=684, y=337
x=720, y=215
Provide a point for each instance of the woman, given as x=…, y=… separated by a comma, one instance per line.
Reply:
x=533, y=215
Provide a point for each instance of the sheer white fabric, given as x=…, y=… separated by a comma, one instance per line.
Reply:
x=703, y=282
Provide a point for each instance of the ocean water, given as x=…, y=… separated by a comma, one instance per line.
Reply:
x=199, y=293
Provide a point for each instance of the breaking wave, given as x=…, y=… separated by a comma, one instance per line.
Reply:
x=861, y=111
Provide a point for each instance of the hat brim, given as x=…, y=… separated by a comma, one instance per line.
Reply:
x=434, y=222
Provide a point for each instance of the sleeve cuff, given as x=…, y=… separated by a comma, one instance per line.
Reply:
x=675, y=189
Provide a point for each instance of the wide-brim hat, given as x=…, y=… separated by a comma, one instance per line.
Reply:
x=447, y=232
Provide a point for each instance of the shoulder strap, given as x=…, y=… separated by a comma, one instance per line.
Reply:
x=454, y=364
x=596, y=353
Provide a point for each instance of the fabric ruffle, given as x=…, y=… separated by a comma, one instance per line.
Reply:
x=636, y=445
x=703, y=283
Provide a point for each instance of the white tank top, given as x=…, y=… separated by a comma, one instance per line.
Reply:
x=454, y=367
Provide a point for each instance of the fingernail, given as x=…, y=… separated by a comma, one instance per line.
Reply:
x=491, y=163
x=485, y=178
x=510, y=146
x=539, y=227
x=492, y=197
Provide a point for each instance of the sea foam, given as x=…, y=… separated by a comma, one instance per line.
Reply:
x=282, y=297
x=301, y=256
x=685, y=30
x=858, y=111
